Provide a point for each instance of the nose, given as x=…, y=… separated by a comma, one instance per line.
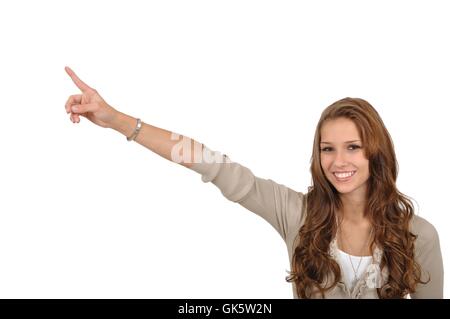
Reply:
x=340, y=160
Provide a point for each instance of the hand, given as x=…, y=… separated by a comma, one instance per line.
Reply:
x=89, y=104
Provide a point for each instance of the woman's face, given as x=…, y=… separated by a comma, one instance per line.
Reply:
x=342, y=157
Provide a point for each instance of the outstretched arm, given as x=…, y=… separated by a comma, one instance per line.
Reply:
x=167, y=144
x=276, y=203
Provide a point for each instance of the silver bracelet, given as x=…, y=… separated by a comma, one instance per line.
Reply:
x=136, y=131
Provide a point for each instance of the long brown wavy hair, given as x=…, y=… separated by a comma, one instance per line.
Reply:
x=388, y=210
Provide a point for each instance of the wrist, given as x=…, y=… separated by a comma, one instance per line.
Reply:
x=123, y=124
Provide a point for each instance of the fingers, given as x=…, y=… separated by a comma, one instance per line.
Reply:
x=73, y=99
x=76, y=99
x=83, y=108
x=80, y=84
x=78, y=110
x=74, y=118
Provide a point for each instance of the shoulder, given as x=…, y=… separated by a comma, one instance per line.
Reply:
x=427, y=235
x=428, y=254
x=423, y=228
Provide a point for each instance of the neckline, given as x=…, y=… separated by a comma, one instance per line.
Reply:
x=353, y=256
x=374, y=276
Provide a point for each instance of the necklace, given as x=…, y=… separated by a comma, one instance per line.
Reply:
x=355, y=271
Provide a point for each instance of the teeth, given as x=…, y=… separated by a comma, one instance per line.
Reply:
x=344, y=175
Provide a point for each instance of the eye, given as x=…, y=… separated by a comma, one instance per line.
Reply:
x=353, y=146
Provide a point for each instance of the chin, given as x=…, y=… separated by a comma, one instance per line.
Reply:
x=344, y=190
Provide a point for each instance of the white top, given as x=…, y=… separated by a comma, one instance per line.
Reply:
x=349, y=270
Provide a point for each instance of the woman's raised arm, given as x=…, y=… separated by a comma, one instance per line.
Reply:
x=276, y=203
x=89, y=104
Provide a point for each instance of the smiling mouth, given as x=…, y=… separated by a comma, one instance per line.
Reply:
x=344, y=176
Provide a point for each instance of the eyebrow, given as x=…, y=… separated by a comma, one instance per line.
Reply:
x=344, y=142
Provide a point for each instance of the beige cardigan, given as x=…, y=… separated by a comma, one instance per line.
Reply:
x=282, y=208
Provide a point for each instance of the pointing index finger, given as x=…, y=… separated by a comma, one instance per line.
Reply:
x=80, y=84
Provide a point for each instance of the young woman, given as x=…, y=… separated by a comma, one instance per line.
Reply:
x=352, y=235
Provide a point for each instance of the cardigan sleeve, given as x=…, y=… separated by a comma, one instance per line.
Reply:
x=274, y=202
x=429, y=257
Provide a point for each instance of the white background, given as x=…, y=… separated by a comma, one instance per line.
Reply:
x=86, y=214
